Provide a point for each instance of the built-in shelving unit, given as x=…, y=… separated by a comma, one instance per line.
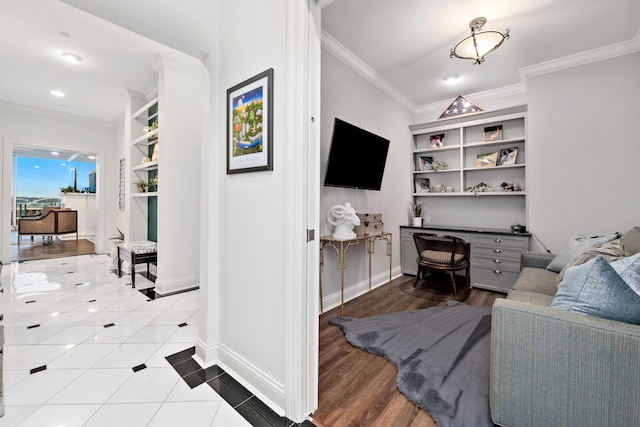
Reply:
x=472, y=148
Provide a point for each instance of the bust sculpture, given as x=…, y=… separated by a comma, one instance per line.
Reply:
x=343, y=218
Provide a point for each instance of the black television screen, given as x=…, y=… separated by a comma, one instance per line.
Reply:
x=356, y=158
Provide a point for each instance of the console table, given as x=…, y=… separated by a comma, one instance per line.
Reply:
x=495, y=253
x=341, y=246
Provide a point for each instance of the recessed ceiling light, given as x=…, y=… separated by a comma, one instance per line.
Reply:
x=91, y=157
x=71, y=58
x=63, y=34
x=57, y=93
x=37, y=167
x=54, y=153
x=451, y=78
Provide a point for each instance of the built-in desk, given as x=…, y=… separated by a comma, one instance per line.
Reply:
x=495, y=253
x=341, y=246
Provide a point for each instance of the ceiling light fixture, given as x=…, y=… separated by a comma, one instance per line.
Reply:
x=71, y=57
x=479, y=43
x=57, y=93
x=54, y=153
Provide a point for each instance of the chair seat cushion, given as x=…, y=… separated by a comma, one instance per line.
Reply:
x=440, y=257
x=140, y=246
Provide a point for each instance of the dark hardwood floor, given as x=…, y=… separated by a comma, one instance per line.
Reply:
x=357, y=388
x=43, y=249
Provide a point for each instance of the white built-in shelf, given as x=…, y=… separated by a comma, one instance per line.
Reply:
x=145, y=195
x=148, y=138
x=437, y=172
x=146, y=166
x=496, y=142
x=143, y=113
x=496, y=168
x=433, y=150
x=469, y=194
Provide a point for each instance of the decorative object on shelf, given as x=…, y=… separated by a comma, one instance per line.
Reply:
x=436, y=141
x=150, y=128
x=422, y=185
x=487, y=160
x=141, y=185
x=415, y=210
x=508, y=156
x=153, y=183
x=121, y=188
x=479, y=43
x=250, y=124
x=510, y=186
x=448, y=189
x=439, y=165
x=154, y=155
x=144, y=160
x=492, y=133
x=438, y=188
x=424, y=163
x=480, y=188
x=343, y=218
x=459, y=107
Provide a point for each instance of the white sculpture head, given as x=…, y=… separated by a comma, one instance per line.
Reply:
x=343, y=218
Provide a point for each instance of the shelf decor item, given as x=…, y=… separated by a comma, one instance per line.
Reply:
x=508, y=156
x=422, y=185
x=250, y=124
x=439, y=165
x=424, y=163
x=141, y=185
x=492, y=133
x=459, y=107
x=436, y=141
x=415, y=210
x=487, y=160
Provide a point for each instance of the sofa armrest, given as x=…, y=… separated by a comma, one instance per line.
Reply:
x=535, y=259
x=552, y=367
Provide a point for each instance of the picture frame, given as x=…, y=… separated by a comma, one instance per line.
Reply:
x=424, y=163
x=422, y=185
x=492, y=133
x=508, y=156
x=436, y=141
x=487, y=160
x=250, y=124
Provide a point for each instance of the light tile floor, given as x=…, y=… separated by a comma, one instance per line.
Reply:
x=74, y=331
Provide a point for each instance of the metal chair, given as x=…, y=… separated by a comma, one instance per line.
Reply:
x=442, y=253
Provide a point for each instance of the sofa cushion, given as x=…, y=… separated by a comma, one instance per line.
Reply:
x=529, y=297
x=602, y=289
x=577, y=244
x=537, y=280
x=610, y=251
x=631, y=241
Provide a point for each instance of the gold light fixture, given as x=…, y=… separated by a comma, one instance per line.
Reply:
x=479, y=43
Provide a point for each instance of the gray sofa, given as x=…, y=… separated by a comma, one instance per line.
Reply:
x=551, y=367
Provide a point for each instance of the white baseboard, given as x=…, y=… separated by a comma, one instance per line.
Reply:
x=361, y=288
x=164, y=287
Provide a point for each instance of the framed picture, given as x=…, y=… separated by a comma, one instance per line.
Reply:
x=436, y=141
x=492, y=133
x=424, y=163
x=422, y=185
x=508, y=156
x=487, y=160
x=250, y=124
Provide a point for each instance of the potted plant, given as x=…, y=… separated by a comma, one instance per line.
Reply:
x=142, y=186
x=415, y=210
x=117, y=238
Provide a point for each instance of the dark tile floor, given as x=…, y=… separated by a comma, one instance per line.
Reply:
x=241, y=399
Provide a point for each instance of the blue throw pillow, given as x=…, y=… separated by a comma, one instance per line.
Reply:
x=597, y=288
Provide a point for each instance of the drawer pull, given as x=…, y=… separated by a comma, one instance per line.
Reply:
x=498, y=240
x=498, y=251
x=497, y=271
x=497, y=261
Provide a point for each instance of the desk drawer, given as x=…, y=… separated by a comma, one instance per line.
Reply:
x=504, y=254
x=496, y=264
x=495, y=279
x=501, y=241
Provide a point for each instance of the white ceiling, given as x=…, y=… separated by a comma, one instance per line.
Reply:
x=403, y=44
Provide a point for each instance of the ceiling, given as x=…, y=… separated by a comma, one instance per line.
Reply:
x=402, y=44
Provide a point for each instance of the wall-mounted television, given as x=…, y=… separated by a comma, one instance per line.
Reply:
x=356, y=158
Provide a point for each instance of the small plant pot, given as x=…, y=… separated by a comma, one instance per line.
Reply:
x=417, y=222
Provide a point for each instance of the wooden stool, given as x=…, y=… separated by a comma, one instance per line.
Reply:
x=137, y=252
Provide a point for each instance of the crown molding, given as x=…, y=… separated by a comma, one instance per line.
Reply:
x=43, y=112
x=583, y=58
x=332, y=46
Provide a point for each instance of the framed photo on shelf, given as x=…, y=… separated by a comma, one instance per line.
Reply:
x=422, y=185
x=492, y=133
x=436, y=141
x=250, y=124
x=487, y=160
x=424, y=163
x=508, y=156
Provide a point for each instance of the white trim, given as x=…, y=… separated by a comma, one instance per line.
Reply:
x=206, y=355
x=165, y=287
x=334, y=47
x=21, y=108
x=583, y=58
x=335, y=299
x=324, y=3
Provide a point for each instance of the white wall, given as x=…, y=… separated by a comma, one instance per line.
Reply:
x=584, y=152
x=348, y=96
x=40, y=128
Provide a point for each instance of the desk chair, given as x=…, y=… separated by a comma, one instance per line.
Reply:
x=441, y=253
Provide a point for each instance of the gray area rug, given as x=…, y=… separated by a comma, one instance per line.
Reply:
x=442, y=356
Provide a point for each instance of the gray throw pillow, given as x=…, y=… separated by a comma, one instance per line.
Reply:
x=631, y=241
x=577, y=244
x=597, y=288
x=610, y=251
